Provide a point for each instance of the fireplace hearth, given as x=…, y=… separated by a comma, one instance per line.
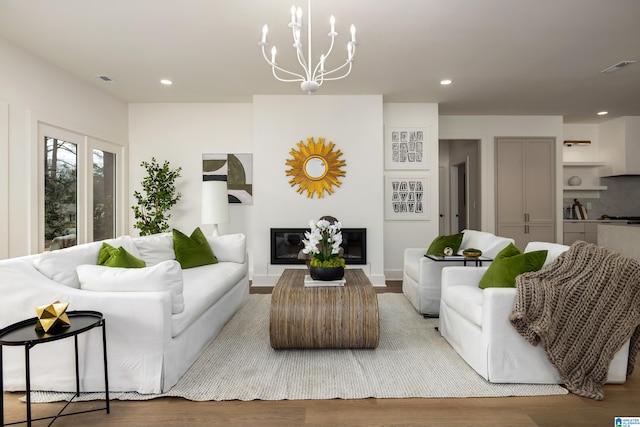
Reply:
x=287, y=242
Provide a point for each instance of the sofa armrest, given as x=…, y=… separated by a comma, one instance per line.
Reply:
x=497, y=305
x=138, y=328
x=413, y=255
x=462, y=276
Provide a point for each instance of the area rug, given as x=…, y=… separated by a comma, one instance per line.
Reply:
x=412, y=360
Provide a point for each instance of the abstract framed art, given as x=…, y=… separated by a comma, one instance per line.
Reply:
x=238, y=170
x=406, y=148
x=406, y=198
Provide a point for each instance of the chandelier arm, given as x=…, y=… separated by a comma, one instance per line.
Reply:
x=349, y=63
x=326, y=55
x=274, y=66
x=299, y=77
x=297, y=44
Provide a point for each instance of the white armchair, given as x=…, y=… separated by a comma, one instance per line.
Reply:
x=476, y=323
x=421, y=275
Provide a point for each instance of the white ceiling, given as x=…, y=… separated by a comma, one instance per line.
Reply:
x=513, y=57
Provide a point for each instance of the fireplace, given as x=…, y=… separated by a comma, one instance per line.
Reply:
x=287, y=242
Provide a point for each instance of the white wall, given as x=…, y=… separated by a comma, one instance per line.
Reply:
x=354, y=125
x=581, y=153
x=181, y=133
x=31, y=92
x=486, y=129
x=399, y=235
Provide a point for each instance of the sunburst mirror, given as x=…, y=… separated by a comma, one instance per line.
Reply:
x=315, y=167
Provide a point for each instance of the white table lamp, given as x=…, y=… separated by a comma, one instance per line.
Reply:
x=215, y=204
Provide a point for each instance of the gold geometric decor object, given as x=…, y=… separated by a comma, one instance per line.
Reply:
x=52, y=316
x=315, y=167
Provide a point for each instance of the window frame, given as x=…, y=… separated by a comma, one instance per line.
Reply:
x=85, y=145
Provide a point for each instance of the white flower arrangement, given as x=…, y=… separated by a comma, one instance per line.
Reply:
x=323, y=243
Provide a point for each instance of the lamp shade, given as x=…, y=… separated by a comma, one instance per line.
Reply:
x=215, y=202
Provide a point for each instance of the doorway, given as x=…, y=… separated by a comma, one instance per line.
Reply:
x=459, y=189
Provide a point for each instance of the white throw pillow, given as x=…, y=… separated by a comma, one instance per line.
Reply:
x=165, y=276
x=155, y=248
x=60, y=266
x=488, y=243
x=553, y=250
x=230, y=247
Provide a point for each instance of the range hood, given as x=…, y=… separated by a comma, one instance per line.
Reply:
x=619, y=143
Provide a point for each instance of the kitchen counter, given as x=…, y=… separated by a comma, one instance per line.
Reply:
x=622, y=238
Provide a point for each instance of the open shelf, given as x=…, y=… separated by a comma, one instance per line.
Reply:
x=584, y=187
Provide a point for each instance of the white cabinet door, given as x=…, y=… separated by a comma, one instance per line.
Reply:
x=525, y=189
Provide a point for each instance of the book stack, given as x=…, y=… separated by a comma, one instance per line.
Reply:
x=308, y=281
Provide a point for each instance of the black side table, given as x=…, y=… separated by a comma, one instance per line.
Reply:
x=443, y=258
x=24, y=334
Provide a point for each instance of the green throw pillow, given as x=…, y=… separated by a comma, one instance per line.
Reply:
x=441, y=242
x=118, y=257
x=192, y=251
x=510, y=263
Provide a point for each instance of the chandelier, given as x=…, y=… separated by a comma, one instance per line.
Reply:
x=311, y=77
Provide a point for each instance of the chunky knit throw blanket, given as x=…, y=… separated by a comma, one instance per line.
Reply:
x=582, y=308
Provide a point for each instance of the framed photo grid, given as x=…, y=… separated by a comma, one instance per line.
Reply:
x=406, y=198
x=406, y=148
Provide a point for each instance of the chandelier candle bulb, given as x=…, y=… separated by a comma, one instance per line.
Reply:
x=265, y=30
x=332, y=21
x=353, y=33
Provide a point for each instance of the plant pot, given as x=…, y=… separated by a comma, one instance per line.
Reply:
x=326, y=273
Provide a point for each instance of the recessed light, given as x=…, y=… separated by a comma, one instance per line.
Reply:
x=445, y=82
x=603, y=113
x=166, y=82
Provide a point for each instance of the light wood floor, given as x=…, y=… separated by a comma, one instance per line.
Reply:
x=552, y=411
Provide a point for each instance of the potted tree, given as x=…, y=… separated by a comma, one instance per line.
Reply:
x=157, y=197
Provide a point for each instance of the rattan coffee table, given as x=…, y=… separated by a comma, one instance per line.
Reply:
x=324, y=317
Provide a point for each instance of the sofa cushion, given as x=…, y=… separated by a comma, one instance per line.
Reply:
x=203, y=286
x=60, y=265
x=508, y=264
x=488, y=243
x=192, y=251
x=229, y=247
x=439, y=243
x=165, y=276
x=118, y=257
x=466, y=301
x=155, y=248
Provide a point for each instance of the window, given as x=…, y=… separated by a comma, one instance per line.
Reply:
x=104, y=197
x=60, y=193
x=80, y=176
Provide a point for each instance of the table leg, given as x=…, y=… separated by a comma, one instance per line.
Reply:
x=27, y=369
x=1, y=390
x=106, y=374
x=75, y=338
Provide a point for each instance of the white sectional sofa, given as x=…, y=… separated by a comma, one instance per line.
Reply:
x=421, y=275
x=154, y=334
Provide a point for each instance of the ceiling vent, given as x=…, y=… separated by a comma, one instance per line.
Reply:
x=617, y=66
x=105, y=78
